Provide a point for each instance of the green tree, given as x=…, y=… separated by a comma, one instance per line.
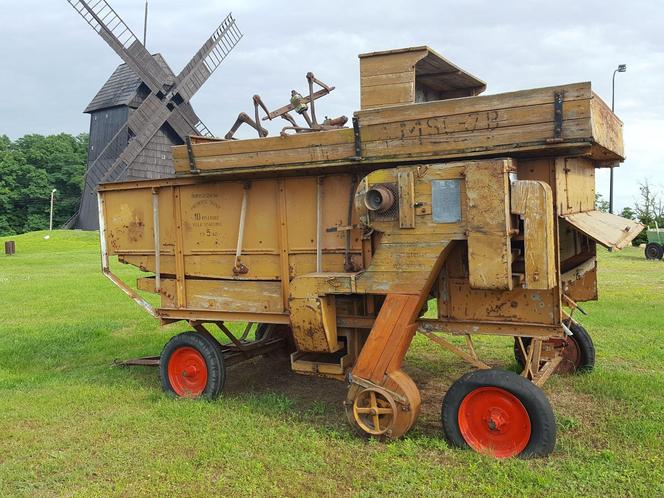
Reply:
x=628, y=213
x=30, y=168
x=601, y=204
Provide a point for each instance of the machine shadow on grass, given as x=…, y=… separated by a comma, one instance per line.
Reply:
x=274, y=389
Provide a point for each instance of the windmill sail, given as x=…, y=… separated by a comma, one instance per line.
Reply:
x=208, y=58
x=167, y=102
x=108, y=24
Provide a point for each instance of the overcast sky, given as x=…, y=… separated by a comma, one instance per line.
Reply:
x=52, y=63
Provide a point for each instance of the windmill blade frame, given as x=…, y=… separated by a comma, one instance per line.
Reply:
x=167, y=101
x=119, y=36
x=208, y=58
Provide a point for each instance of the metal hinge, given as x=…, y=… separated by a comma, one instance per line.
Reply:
x=557, y=118
x=190, y=154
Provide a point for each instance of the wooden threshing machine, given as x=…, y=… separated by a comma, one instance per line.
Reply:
x=332, y=240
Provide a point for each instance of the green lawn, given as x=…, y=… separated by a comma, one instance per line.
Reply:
x=72, y=424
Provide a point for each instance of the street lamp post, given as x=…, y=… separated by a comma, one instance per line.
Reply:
x=50, y=222
x=620, y=69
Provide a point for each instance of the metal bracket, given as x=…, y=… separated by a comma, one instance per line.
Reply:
x=358, y=140
x=190, y=154
x=557, y=118
x=367, y=384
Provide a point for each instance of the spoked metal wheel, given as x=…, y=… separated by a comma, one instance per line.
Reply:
x=385, y=411
x=374, y=411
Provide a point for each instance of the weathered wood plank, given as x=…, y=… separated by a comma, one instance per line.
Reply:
x=426, y=110
x=390, y=63
x=475, y=121
x=225, y=295
x=390, y=94
x=507, y=123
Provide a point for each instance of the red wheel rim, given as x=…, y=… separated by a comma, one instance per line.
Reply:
x=187, y=372
x=493, y=421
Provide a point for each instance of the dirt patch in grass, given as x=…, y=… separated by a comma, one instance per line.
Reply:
x=313, y=398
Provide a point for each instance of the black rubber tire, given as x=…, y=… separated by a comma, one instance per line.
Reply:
x=271, y=331
x=209, y=349
x=654, y=250
x=261, y=330
x=586, y=347
x=583, y=341
x=542, y=420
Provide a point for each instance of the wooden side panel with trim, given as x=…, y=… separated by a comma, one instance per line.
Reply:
x=489, y=224
x=533, y=201
x=388, y=79
x=575, y=185
x=404, y=258
x=219, y=295
x=515, y=123
x=460, y=303
x=199, y=227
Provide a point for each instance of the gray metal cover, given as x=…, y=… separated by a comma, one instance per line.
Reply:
x=446, y=201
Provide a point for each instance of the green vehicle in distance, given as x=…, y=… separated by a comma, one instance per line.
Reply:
x=655, y=245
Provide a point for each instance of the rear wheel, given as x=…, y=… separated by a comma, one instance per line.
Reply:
x=654, y=251
x=499, y=413
x=192, y=366
x=577, y=350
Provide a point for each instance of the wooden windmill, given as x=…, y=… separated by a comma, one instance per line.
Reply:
x=157, y=113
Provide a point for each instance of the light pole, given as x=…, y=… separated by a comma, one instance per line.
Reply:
x=620, y=69
x=50, y=223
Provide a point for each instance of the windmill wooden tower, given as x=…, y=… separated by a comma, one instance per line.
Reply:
x=143, y=108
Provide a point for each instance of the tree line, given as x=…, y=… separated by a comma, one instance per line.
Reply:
x=30, y=168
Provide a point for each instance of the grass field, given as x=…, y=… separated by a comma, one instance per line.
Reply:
x=72, y=424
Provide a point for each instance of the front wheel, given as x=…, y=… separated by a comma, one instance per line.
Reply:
x=192, y=366
x=499, y=413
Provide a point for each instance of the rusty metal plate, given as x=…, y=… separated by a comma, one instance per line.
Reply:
x=446, y=201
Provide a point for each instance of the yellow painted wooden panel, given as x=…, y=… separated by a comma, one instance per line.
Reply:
x=214, y=265
x=575, y=185
x=489, y=224
x=487, y=140
x=407, y=201
x=129, y=217
x=391, y=94
x=608, y=229
x=521, y=305
x=607, y=128
x=226, y=295
x=445, y=124
x=301, y=212
x=533, y=200
x=387, y=79
x=390, y=63
x=426, y=110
